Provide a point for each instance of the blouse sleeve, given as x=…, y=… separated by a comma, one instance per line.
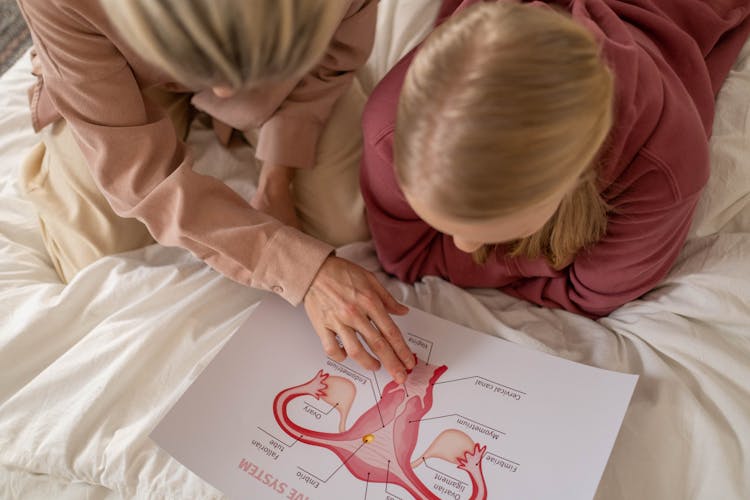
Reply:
x=290, y=136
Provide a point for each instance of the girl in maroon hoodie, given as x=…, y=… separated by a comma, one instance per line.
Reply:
x=555, y=150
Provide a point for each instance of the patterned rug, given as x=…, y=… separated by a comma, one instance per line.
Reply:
x=14, y=37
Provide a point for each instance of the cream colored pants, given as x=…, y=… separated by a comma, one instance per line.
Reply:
x=78, y=225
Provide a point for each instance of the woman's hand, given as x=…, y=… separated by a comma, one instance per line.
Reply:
x=274, y=195
x=347, y=301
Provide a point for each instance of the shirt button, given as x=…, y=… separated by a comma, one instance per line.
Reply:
x=277, y=289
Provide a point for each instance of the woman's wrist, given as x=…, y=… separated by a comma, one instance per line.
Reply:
x=275, y=178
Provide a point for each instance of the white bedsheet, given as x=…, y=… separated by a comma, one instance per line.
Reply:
x=87, y=370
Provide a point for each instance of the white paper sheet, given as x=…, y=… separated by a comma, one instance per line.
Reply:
x=272, y=417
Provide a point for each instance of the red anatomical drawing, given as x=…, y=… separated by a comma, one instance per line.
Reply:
x=379, y=446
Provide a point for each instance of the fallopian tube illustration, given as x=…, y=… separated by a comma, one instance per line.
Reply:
x=379, y=446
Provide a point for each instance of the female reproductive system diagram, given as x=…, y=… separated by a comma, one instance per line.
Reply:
x=306, y=427
x=381, y=445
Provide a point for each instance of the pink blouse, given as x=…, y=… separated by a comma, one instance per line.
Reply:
x=95, y=81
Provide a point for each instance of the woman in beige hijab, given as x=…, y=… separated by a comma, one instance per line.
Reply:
x=118, y=81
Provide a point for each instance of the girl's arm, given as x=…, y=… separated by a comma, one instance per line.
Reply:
x=644, y=237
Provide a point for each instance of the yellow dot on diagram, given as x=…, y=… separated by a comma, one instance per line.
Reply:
x=368, y=438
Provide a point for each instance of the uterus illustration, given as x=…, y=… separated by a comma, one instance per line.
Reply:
x=379, y=446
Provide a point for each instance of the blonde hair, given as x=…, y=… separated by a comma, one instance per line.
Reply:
x=504, y=105
x=204, y=43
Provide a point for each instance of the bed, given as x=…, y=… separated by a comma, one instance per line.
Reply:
x=88, y=369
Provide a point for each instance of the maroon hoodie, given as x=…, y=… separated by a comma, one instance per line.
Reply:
x=669, y=58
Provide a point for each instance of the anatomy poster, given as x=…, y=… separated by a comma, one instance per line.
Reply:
x=272, y=417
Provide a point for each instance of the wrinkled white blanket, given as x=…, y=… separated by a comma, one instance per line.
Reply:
x=88, y=369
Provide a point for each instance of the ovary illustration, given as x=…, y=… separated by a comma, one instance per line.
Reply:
x=379, y=446
x=340, y=394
